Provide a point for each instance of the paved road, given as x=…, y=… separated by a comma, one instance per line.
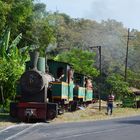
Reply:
x=115, y=129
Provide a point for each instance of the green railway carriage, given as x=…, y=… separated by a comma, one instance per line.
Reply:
x=79, y=93
x=88, y=95
x=60, y=90
x=57, y=69
x=79, y=90
x=79, y=79
x=70, y=91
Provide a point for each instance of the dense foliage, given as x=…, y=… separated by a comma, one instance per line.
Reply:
x=117, y=86
x=11, y=67
x=66, y=39
x=82, y=61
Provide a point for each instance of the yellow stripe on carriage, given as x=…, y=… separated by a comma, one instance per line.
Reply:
x=60, y=97
x=79, y=96
x=70, y=99
x=59, y=83
x=82, y=88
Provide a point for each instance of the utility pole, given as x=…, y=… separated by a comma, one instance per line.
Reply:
x=100, y=78
x=100, y=67
x=126, y=59
x=127, y=49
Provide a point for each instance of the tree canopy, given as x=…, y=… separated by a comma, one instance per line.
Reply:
x=82, y=61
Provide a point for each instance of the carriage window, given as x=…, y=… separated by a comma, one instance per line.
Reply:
x=60, y=72
x=78, y=80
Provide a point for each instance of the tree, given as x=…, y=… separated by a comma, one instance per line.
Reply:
x=82, y=61
x=66, y=31
x=15, y=13
x=39, y=31
x=4, y=9
x=116, y=84
x=43, y=35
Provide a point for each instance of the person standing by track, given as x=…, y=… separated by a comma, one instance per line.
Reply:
x=110, y=101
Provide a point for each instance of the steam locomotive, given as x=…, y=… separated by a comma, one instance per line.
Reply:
x=47, y=89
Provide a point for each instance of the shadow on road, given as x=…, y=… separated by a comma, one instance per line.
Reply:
x=130, y=122
x=5, y=117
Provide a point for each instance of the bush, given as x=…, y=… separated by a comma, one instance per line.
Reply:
x=11, y=67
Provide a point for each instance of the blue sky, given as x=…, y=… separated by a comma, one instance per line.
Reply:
x=125, y=11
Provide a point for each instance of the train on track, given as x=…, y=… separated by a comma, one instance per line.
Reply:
x=49, y=88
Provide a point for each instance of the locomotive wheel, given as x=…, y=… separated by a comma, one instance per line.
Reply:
x=61, y=111
x=73, y=106
x=51, y=114
x=27, y=119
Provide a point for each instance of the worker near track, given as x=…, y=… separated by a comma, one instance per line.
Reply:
x=70, y=75
x=88, y=83
x=110, y=101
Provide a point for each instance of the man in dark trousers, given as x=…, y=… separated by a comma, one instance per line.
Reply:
x=110, y=101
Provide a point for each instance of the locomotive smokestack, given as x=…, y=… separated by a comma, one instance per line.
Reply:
x=33, y=59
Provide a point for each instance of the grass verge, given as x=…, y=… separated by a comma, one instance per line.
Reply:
x=92, y=114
